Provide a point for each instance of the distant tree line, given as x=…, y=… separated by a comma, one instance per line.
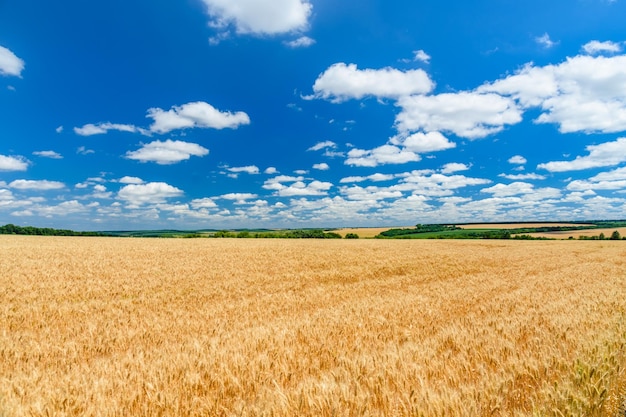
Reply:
x=420, y=228
x=281, y=234
x=11, y=229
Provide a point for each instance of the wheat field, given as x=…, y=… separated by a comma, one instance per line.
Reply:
x=254, y=327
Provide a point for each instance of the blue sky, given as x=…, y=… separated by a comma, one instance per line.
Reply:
x=307, y=113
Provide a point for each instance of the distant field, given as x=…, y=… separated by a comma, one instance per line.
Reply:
x=576, y=233
x=260, y=327
x=366, y=232
x=370, y=232
x=515, y=225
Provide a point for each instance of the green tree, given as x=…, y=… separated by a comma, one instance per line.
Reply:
x=352, y=236
x=615, y=235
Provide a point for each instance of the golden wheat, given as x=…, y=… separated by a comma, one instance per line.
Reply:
x=171, y=327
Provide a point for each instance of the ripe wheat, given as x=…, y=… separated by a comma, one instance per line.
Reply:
x=198, y=327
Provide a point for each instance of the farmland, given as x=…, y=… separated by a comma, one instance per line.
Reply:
x=251, y=327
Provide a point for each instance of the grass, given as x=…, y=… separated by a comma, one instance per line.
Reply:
x=108, y=326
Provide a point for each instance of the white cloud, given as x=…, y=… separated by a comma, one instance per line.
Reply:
x=582, y=185
x=545, y=41
x=517, y=159
x=602, y=155
x=48, y=154
x=597, y=47
x=582, y=94
x=59, y=129
x=271, y=171
x=611, y=180
x=470, y=115
x=197, y=114
x=251, y=169
x=341, y=82
x=454, y=167
x=422, y=56
x=614, y=175
x=102, y=128
x=296, y=187
x=260, y=17
x=299, y=188
x=386, y=154
x=238, y=196
x=41, y=185
x=203, y=203
x=13, y=163
x=130, y=180
x=149, y=193
x=10, y=64
x=167, y=152
x=529, y=85
x=424, y=142
x=378, y=177
x=369, y=193
x=276, y=183
x=321, y=166
x=301, y=42
x=322, y=145
x=84, y=151
x=435, y=184
x=518, y=177
x=519, y=188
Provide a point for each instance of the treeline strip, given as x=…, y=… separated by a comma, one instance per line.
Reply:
x=11, y=229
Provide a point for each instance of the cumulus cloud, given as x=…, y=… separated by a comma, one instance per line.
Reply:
x=259, y=17
x=519, y=188
x=10, y=64
x=471, y=115
x=238, y=196
x=378, y=177
x=517, y=160
x=48, y=154
x=602, y=155
x=296, y=186
x=386, y=154
x=582, y=94
x=597, y=47
x=13, y=163
x=91, y=129
x=421, y=142
x=271, y=171
x=611, y=180
x=130, y=180
x=40, y=185
x=454, y=167
x=301, y=42
x=422, y=56
x=341, y=82
x=167, y=152
x=369, y=193
x=251, y=169
x=517, y=177
x=203, y=203
x=321, y=166
x=149, y=193
x=299, y=188
x=427, y=183
x=197, y=114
